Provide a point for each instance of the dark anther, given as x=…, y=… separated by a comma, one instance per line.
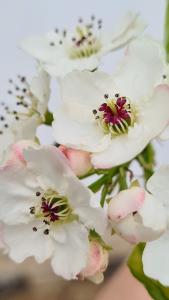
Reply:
x=164, y=76
x=34, y=229
x=117, y=95
x=106, y=96
x=94, y=111
x=32, y=210
x=46, y=231
x=52, y=44
x=38, y=194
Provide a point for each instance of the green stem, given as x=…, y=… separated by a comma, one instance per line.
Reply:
x=166, y=30
x=122, y=179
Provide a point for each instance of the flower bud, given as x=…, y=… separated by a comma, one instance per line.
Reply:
x=79, y=160
x=96, y=264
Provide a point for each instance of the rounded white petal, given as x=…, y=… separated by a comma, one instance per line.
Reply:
x=125, y=147
x=40, y=48
x=158, y=185
x=70, y=257
x=133, y=231
x=86, y=88
x=18, y=189
x=142, y=69
x=66, y=65
x=153, y=213
x=79, y=134
x=125, y=203
x=93, y=218
x=156, y=259
x=23, y=242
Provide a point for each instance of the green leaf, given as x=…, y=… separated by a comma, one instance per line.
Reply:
x=94, y=236
x=146, y=160
x=155, y=289
x=48, y=118
x=167, y=30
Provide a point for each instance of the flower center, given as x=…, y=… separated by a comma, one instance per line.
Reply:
x=52, y=208
x=85, y=43
x=115, y=115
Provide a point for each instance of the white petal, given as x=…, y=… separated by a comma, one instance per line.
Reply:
x=130, y=27
x=125, y=147
x=25, y=128
x=134, y=77
x=71, y=257
x=158, y=185
x=86, y=88
x=23, y=242
x=39, y=87
x=156, y=259
x=40, y=48
x=6, y=140
x=153, y=213
x=66, y=65
x=78, y=134
x=53, y=172
x=18, y=189
x=93, y=218
x=125, y=203
x=133, y=231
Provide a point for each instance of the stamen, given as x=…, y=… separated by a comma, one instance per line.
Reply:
x=115, y=116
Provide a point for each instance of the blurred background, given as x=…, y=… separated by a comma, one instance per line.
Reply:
x=22, y=18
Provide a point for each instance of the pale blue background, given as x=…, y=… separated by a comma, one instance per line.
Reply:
x=21, y=18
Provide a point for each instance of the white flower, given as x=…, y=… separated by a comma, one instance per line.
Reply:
x=137, y=215
x=21, y=119
x=156, y=253
x=114, y=118
x=61, y=52
x=46, y=210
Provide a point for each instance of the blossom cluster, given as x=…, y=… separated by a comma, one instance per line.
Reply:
x=103, y=122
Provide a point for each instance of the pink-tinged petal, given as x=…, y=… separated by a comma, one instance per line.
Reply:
x=97, y=261
x=15, y=154
x=133, y=231
x=79, y=160
x=125, y=203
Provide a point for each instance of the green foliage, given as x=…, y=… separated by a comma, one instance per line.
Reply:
x=155, y=289
x=167, y=30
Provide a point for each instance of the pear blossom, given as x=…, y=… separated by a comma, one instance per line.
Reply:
x=115, y=117
x=60, y=52
x=45, y=209
x=21, y=120
x=96, y=264
x=136, y=215
x=79, y=160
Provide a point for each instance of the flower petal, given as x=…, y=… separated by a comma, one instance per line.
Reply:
x=134, y=78
x=125, y=203
x=83, y=135
x=39, y=87
x=129, y=28
x=165, y=134
x=155, y=259
x=18, y=189
x=158, y=185
x=23, y=242
x=71, y=257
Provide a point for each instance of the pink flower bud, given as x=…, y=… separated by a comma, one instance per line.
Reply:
x=79, y=160
x=96, y=264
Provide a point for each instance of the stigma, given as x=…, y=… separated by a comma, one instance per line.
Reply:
x=115, y=115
